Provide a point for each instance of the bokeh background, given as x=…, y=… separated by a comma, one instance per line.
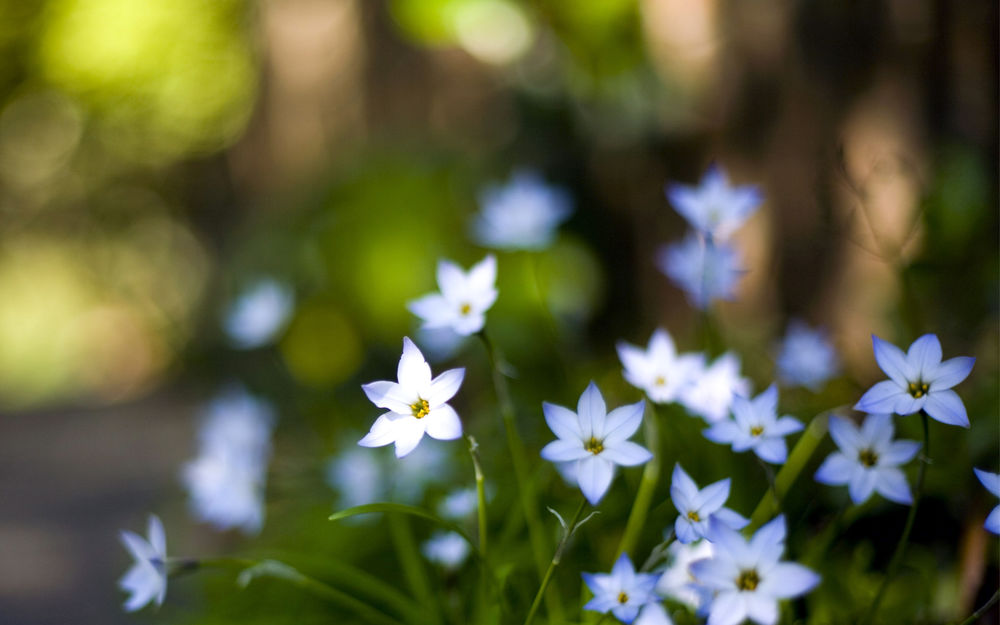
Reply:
x=156, y=158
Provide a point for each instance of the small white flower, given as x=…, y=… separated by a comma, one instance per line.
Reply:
x=623, y=593
x=460, y=504
x=807, y=358
x=992, y=483
x=595, y=440
x=522, y=215
x=416, y=404
x=695, y=507
x=658, y=370
x=147, y=579
x=868, y=459
x=713, y=207
x=447, y=549
x=357, y=476
x=464, y=298
x=704, y=270
x=258, y=314
x=756, y=426
x=677, y=583
x=711, y=393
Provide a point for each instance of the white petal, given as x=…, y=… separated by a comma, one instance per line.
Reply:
x=924, y=356
x=564, y=450
x=836, y=470
x=591, y=410
x=562, y=421
x=451, y=280
x=861, y=486
x=898, y=452
x=409, y=432
x=724, y=432
x=626, y=453
x=443, y=423
x=383, y=431
x=951, y=372
x=157, y=537
x=390, y=396
x=433, y=309
x=712, y=497
x=761, y=609
x=444, y=387
x=483, y=275
x=661, y=347
x=845, y=434
x=683, y=489
x=881, y=398
x=637, y=366
x=947, y=407
x=891, y=484
x=414, y=373
x=728, y=608
x=771, y=450
x=877, y=431
x=787, y=580
x=785, y=426
x=892, y=361
x=141, y=550
x=622, y=422
x=594, y=476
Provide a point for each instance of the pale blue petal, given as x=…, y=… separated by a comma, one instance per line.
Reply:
x=731, y=518
x=563, y=450
x=767, y=402
x=951, y=372
x=924, y=356
x=715, y=573
x=761, y=608
x=562, y=421
x=891, y=484
x=728, y=609
x=836, y=470
x=881, y=398
x=845, y=434
x=947, y=407
x=592, y=410
x=991, y=481
x=684, y=487
x=594, y=476
x=684, y=529
x=898, y=452
x=712, y=497
x=907, y=404
x=626, y=453
x=772, y=450
x=626, y=613
x=787, y=580
x=785, y=426
x=892, y=361
x=724, y=432
x=861, y=486
x=622, y=422
x=993, y=521
x=876, y=431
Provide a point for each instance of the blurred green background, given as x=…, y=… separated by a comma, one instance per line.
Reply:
x=158, y=157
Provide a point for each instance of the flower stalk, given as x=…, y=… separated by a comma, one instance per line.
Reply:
x=644, y=496
x=556, y=558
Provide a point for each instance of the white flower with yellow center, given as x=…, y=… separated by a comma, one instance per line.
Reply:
x=464, y=298
x=658, y=370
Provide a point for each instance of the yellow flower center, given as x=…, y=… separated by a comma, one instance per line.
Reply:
x=757, y=430
x=594, y=446
x=623, y=597
x=867, y=457
x=465, y=309
x=693, y=515
x=919, y=389
x=660, y=381
x=748, y=580
x=420, y=409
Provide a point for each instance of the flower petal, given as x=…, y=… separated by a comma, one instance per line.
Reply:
x=947, y=407
x=730, y=542
x=562, y=421
x=728, y=608
x=898, y=452
x=836, y=470
x=891, y=484
x=767, y=402
x=683, y=489
x=661, y=347
x=592, y=410
x=594, y=476
x=761, y=608
x=951, y=372
x=768, y=542
x=637, y=365
x=414, y=373
x=451, y=280
x=907, y=404
x=845, y=434
x=564, y=450
x=390, y=396
x=731, y=518
x=141, y=550
x=622, y=422
x=433, y=309
x=685, y=530
x=924, y=356
x=991, y=481
x=993, y=521
x=483, y=275
x=626, y=453
x=876, y=432
x=444, y=387
x=892, y=361
x=157, y=537
x=724, y=432
x=787, y=580
x=409, y=433
x=383, y=431
x=771, y=449
x=712, y=497
x=443, y=423
x=715, y=573
x=881, y=398
x=784, y=426
x=861, y=485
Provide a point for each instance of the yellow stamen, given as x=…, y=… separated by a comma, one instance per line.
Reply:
x=693, y=515
x=867, y=457
x=466, y=308
x=748, y=580
x=756, y=430
x=622, y=597
x=594, y=446
x=420, y=409
x=919, y=389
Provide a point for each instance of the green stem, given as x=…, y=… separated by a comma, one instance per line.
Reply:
x=480, y=493
x=769, y=474
x=556, y=558
x=644, y=496
x=981, y=611
x=897, y=556
x=657, y=553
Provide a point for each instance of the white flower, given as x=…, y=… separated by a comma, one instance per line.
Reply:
x=447, y=549
x=523, y=214
x=464, y=298
x=711, y=393
x=992, y=483
x=595, y=440
x=704, y=270
x=676, y=582
x=695, y=507
x=358, y=477
x=868, y=459
x=713, y=207
x=417, y=404
x=807, y=358
x=748, y=576
x=658, y=370
x=756, y=426
x=258, y=314
x=623, y=593
x=226, y=480
x=460, y=504
x=147, y=579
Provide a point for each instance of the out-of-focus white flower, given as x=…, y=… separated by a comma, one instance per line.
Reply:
x=807, y=357
x=623, y=593
x=704, y=270
x=992, y=483
x=523, y=214
x=357, y=476
x=659, y=370
x=226, y=481
x=146, y=580
x=417, y=404
x=695, y=507
x=715, y=208
x=676, y=582
x=447, y=549
x=755, y=425
x=459, y=504
x=257, y=315
x=463, y=300
x=711, y=393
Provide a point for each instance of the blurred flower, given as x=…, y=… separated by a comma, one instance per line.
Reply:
x=658, y=370
x=258, y=314
x=756, y=426
x=447, y=549
x=623, y=593
x=464, y=298
x=705, y=270
x=868, y=459
x=459, y=504
x=521, y=215
x=595, y=440
x=713, y=207
x=357, y=476
x=918, y=380
x=712, y=391
x=417, y=404
x=226, y=480
x=440, y=343
x=695, y=507
x=676, y=581
x=748, y=577
x=147, y=579
x=807, y=358
x=992, y=483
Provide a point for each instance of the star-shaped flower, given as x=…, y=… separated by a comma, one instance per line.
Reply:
x=595, y=440
x=417, y=404
x=704, y=270
x=258, y=314
x=711, y=394
x=658, y=370
x=677, y=583
x=992, y=483
x=868, y=459
x=918, y=380
x=756, y=426
x=713, y=207
x=695, y=507
x=147, y=579
x=623, y=593
x=522, y=215
x=464, y=298
x=748, y=577
x=807, y=358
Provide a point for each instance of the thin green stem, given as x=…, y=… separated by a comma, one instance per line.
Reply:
x=644, y=496
x=556, y=558
x=769, y=474
x=981, y=611
x=657, y=553
x=480, y=493
x=904, y=539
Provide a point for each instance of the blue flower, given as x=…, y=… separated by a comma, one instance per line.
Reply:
x=695, y=507
x=807, y=358
x=748, y=577
x=147, y=579
x=705, y=270
x=918, y=380
x=623, y=593
x=992, y=483
x=713, y=207
x=659, y=370
x=523, y=215
x=756, y=426
x=711, y=393
x=868, y=459
x=259, y=314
